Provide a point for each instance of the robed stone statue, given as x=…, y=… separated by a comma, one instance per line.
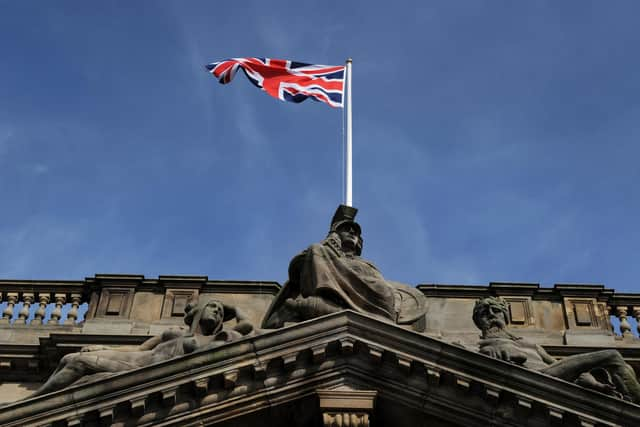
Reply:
x=331, y=276
x=205, y=320
x=604, y=371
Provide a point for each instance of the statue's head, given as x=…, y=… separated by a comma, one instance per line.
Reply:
x=490, y=313
x=348, y=230
x=205, y=316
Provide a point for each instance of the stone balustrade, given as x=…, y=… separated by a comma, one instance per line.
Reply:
x=625, y=309
x=115, y=302
x=38, y=303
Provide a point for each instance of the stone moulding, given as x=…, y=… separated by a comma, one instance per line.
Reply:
x=351, y=408
x=423, y=374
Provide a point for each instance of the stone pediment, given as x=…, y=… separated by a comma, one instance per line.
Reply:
x=279, y=378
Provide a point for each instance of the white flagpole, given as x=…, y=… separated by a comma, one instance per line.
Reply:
x=348, y=181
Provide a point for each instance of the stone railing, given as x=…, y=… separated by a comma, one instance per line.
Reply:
x=41, y=302
x=625, y=310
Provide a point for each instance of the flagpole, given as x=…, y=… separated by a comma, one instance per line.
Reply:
x=348, y=179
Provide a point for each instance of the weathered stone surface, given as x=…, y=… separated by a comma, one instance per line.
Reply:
x=588, y=338
x=281, y=397
x=147, y=306
x=446, y=316
x=12, y=391
x=427, y=386
x=121, y=327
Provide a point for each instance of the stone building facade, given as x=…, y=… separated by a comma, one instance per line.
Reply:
x=341, y=369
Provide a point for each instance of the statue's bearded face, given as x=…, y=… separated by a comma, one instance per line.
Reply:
x=489, y=314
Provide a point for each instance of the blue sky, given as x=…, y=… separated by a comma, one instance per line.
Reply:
x=493, y=141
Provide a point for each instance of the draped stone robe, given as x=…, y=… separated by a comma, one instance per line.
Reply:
x=323, y=279
x=347, y=280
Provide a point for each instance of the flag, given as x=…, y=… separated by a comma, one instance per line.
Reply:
x=286, y=80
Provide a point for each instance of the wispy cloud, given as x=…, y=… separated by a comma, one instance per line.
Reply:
x=196, y=58
x=5, y=138
x=38, y=245
x=39, y=169
x=276, y=37
x=257, y=150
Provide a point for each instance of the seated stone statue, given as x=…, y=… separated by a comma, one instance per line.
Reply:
x=205, y=320
x=331, y=276
x=604, y=371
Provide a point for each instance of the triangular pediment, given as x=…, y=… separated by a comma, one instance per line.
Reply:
x=273, y=379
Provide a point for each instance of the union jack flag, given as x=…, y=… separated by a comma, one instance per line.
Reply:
x=286, y=80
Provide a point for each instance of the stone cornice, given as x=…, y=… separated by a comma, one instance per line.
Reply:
x=276, y=367
x=37, y=286
x=139, y=281
x=532, y=290
x=630, y=354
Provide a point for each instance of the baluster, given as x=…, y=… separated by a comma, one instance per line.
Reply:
x=72, y=316
x=7, y=314
x=56, y=314
x=636, y=314
x=23, y=315
x=610, y=323
x=625, y=327
x=38, y=318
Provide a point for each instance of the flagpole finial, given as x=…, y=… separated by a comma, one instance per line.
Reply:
x=349, y=60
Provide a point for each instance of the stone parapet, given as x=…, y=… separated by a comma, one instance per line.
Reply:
x=565, y=314
x=117, y=303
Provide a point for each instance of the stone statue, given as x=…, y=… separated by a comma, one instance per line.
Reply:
x=604, y=371
x=205, y=320
x=331, y=276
